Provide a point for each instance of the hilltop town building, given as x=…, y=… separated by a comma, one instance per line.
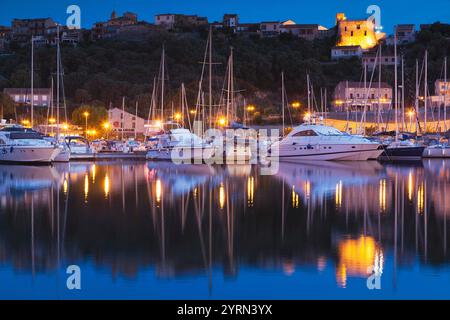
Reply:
x=172, y=21
x=110, y=28
x=305, y=31
x=356, y=95
x=346, y=52
x=23, y=29
x=371, y=61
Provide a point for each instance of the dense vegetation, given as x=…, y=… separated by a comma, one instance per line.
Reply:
x=100, y=73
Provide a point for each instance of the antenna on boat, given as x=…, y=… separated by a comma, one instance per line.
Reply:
x=395, y=86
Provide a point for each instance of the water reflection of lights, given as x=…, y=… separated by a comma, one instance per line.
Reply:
x=93, y=172
x=420, y=198
x=321, y=263
x=307, y=189
x=221, y=196
x=195, y=192
x=358, y=257
x=158, y=190
x=410, y=186
x=65, y=186
x=288, y=268
x=250, y=190
x=295, y=200
x=339, y=194
x=106, y=186
x=86, y=186
x=382, y=195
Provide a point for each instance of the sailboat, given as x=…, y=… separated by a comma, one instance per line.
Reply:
x=440, y=150
x=169, y=140
x=400, y=150
x=236, y=143
x=64, y=154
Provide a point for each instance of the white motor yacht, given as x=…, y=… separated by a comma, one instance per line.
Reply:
x=180, y=145
x=321, y=142
x=23, y=145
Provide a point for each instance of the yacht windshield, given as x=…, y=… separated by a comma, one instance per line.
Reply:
x=25, y=135
x=330, y=131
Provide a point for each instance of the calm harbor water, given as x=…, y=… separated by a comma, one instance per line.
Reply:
x=158, y=231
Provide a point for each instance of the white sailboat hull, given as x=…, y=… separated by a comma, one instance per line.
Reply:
x=28, y=154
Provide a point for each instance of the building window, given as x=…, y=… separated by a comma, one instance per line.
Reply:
x=385, y=96
x=373, y=95
x=351, y=34
x=44, y=98
x=365, y=33
x=358, y=26
x=134, y=125
x=35, y=98
x=121, y=115
x=345, y=28
x=16, y=98
x=351, y=95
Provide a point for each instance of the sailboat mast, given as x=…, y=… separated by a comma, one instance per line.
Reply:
x=58, y=71
x=309, y=94
x=403, y=95
x=210, y=76
x=282, y=101
x=379, y=92
x=136, y=116
x=417, y=94
x=123, y=117
x=426, y=90
x=395, y=88
x=233, y=107
x=162, y=82
x=32, y=82
x=445, y=94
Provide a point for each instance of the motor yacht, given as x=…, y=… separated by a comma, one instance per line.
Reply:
x=312, y=141
x=23, y=145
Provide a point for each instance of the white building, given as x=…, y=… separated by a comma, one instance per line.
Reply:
x=371, y=60
x=22, y=96
x=356, y=95
x=124, y=121
x=345, y=52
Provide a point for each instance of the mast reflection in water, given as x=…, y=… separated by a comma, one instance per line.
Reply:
x=156, y=230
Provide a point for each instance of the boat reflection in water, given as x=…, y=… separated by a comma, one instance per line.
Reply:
x=156, y=230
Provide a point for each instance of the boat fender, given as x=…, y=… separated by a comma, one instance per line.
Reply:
x=309, y=146
x=11, y=149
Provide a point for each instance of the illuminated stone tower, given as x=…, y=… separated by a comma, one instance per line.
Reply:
x=356, y=32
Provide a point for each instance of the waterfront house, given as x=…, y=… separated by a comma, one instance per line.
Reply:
x=356, y=95
x=126, y=122
x=345, y=52
x=22, y=96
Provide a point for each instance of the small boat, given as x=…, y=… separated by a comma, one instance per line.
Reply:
x=79, y=148
x=23, y=145
x=179, y=145
x=437, y=151
x=401, y=150
x=321, y=142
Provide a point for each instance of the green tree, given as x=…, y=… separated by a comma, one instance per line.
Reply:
x=96, y=115
x=6, y=106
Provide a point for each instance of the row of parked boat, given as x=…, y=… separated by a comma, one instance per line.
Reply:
x=309, y=141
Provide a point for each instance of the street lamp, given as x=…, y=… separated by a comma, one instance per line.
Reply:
x=86, y=115
x=295, y=104
x=411, y=115
x=106, y=126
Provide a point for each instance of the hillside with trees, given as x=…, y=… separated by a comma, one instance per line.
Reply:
x=101, y=73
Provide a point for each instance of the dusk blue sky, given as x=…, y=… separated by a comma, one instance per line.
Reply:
x=301, y=11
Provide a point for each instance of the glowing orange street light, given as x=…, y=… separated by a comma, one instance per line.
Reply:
x=250, y=108
x=222, y=121
x=411, y=115
x=192, y=111
x=25, y=122
x=52, y=120
x=86, y=115
x=296, y=104
x=177, y=116
x=106, y=125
